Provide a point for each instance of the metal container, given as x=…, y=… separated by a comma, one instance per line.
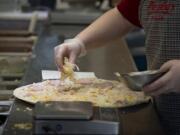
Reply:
x=137, y=80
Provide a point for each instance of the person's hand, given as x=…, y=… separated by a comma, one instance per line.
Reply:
x=169, y=82
x=71, y=49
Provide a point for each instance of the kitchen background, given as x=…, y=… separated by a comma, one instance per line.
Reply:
x=29, y=30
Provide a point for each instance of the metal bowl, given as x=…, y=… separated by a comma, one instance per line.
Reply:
x=137, y=80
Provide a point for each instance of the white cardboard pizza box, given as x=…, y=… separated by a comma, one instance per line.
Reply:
x=52, y=74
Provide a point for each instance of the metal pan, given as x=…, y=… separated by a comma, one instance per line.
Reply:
x=137, y=80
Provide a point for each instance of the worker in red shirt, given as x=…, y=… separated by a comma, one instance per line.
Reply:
x=161, y=22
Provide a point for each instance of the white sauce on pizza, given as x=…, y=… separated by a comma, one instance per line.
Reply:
x=103, y=93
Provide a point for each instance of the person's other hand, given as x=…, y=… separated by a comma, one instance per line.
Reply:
x=169, y=82
x=71, y=49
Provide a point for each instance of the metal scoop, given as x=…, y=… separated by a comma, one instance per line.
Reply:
x=137, y=80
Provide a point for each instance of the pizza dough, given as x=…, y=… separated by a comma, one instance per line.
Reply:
x=102, y=93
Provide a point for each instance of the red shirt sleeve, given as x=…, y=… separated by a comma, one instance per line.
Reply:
x=130, y=10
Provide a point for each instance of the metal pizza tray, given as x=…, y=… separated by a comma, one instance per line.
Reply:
x=72, y=118
x=63, y=110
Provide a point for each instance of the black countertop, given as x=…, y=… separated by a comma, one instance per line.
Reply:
x=21, y=114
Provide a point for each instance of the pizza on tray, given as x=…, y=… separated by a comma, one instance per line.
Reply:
x=102, y=93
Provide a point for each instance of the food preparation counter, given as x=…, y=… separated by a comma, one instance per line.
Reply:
x=135, y=120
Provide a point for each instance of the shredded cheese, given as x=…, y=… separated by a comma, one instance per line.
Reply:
x=25, y=126
x=67, y=72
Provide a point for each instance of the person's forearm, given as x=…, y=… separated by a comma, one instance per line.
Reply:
x=108, y=27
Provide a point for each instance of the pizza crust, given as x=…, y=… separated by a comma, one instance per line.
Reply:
x=102, y=93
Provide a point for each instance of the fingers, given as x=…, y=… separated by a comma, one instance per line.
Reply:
x=162, y=84
x=166, y=66
x=160, y=91
x=72, y=58
x=71, y=48
x=65, y=50
x=60, y=53
x=169, y=82
x=157, y=86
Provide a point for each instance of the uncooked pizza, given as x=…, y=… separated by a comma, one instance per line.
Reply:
x=102, y=93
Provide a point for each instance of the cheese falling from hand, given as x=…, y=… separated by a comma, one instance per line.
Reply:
x=67, y=72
